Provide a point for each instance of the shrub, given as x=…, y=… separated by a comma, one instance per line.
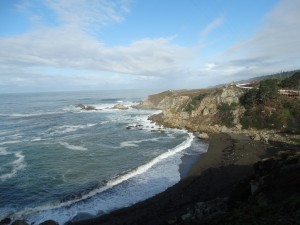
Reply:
x=194, y=102
x=249, y=99
x=225, y=114
x=268, y=91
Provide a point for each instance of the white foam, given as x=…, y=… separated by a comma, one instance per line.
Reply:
x=150, y=164
x=17, y=164
x=128, y=144
x=3, y=151
x=73, y=147
x=9, y=142
x=135, y=143
x=33, y=114
x=69, y=128
x=141, y=169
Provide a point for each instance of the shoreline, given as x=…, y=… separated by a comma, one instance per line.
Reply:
x=228, y=160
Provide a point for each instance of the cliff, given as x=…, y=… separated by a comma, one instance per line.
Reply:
x=215, y=110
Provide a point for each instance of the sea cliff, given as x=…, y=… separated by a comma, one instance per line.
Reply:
x=215, y=110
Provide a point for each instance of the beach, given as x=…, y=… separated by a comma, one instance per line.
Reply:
x=229, y=159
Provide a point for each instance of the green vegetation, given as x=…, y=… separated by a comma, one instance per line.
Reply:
x=249, y=99
x=225, y=113
x=292, y=82
x=195, y=101
x=267, y=109
x=280, y=76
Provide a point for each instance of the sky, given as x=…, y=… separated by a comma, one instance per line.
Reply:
x=75, y=45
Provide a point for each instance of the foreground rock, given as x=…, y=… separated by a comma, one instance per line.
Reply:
x=20, y=222
x=5, y=221
x=203, y=136
x=49, y=222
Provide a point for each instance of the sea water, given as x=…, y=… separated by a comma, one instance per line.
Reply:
x=63, y=163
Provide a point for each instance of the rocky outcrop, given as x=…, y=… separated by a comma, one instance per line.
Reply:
x=120, y=106
x=203, y=117
x=86, y=107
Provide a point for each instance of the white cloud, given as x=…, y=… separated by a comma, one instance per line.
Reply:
x=274, y=47
x=70, y=48
x=87, y=15
x=70, y=45
x=211, y=26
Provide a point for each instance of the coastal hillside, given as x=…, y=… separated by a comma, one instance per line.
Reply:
x=262, y=110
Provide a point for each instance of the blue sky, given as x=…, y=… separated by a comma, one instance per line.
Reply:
x=67, y=45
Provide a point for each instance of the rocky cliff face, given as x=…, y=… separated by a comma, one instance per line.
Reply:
x=209, y=110
x=203, y=116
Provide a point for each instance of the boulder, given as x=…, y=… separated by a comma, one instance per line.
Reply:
x=203, y=136
x=205, y=111
x=256, y=137
x=120, y=106
x=49, y=222
x=20, y=222
x=5, y=221
x=224, y=129
x=238, y=126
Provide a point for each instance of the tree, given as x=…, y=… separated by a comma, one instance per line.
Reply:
x=292, y=82
x=268, y=91
x=248, y=100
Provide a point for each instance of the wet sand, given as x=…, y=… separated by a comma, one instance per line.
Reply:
x=229, y=159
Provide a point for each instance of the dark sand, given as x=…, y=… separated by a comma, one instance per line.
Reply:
x=229, y=159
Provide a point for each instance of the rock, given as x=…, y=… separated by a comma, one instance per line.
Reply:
x=224, y=129
x=238, y=126
x=5, y=221
x=172, y=221
x=261, y=199
x=85, y=107
x=205, y=111
x=256, y=137
x=203, y=136
x=20, y=222
x=89, y=107
x=49, y=222
x=120, y=106
x=186, y=216
x=254, y=186
x=81, y=106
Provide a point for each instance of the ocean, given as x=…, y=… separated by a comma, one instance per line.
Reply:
x=62, y=163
